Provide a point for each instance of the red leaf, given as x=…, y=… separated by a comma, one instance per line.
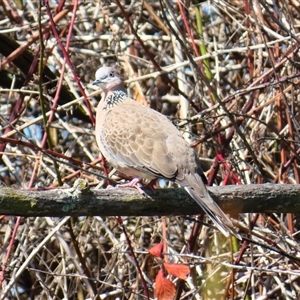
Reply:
x=164, y=288
x=178, y=270
x=157, y=250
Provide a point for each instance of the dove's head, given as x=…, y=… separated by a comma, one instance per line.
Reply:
x=108, y=79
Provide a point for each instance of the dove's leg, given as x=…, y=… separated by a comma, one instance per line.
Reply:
x=133, y=184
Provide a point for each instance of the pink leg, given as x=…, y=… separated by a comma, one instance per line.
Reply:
x=134, y=184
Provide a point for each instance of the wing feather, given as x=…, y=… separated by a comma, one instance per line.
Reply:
x=142, y=142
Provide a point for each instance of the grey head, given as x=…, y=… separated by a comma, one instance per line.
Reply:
x=108, y=78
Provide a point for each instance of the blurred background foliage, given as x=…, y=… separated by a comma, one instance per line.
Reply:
x=225, y=72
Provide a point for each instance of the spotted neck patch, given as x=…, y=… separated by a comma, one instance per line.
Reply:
x=115, y=98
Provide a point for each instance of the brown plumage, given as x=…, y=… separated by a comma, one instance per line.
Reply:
x=142, y=143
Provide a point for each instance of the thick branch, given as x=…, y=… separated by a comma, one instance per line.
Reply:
x=128, y=201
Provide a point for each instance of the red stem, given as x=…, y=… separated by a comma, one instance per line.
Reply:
x=146, y=291
x=67, y=58
x=9, y=250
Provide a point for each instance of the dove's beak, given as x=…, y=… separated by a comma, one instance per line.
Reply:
x=96, y=82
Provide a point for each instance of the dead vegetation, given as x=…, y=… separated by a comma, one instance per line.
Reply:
x=225, y=72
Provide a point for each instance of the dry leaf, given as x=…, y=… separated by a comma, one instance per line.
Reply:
x=178, y=270
x=157, y=250
x=164, y=288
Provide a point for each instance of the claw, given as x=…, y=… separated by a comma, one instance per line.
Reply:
x=133, y=184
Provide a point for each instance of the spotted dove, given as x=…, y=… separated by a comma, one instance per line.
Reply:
x=142, y=143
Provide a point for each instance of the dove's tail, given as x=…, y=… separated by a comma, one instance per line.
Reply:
x=198, y=191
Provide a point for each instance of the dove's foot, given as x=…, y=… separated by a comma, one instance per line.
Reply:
x=133, y=184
